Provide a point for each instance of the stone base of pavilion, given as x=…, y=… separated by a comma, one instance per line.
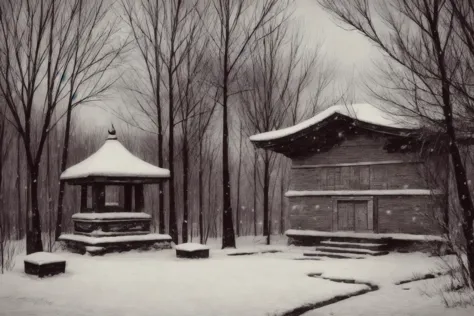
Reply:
x=99, y=233
x=100, y=245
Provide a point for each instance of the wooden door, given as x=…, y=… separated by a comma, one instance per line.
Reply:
x=353, y=216
x=345, y=215
x=361, y=215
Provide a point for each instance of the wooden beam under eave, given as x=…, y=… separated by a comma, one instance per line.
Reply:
x=139, y=198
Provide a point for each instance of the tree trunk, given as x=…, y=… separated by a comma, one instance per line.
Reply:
x=62, y=184
x=465, y=200
x=255, y=161
x=184, y=230
x=266, y=191
x=20, y=223
x=33, y=238
x=228, y=237
x=237, y=211
x=173, y=225
x=200, y=193
x=161, y=196
x=282, y=207
x=48, y=195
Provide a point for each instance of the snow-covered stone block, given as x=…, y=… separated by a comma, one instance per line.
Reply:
x=111, y=215
x=44, y=263
x=192, y=251
x=93, y=250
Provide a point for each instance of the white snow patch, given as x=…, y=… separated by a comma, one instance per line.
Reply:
x=315, y=233
x=41, y=258
x=362, y=112
x=421, y=298
x=99, y=240
x=258, y=285
x=111, y=215
x=191, y=247
x=114, y=160
x=262, y=285
x=293, y=193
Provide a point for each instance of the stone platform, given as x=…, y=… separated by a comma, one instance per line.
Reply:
x=113, y=232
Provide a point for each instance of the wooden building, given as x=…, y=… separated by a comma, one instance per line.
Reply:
x=358, y=169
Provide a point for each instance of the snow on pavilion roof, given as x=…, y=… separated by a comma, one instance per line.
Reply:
x=362, y=112
x=113, y=160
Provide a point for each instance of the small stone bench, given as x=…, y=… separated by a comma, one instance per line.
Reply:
x=44, y=264
x=192, y=251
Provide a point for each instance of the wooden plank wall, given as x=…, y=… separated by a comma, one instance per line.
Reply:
x=375, y=177
x=355, y=149
x=402, y=171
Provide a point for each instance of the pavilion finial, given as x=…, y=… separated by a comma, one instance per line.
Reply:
x=112, y=132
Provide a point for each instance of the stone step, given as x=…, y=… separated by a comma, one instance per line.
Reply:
x=360, y=245
x=357, y=251
x=333, y=255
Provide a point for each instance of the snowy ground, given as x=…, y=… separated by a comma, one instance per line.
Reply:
x=157, y=283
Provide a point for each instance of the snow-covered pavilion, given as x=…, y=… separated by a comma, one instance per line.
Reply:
x=100, y=227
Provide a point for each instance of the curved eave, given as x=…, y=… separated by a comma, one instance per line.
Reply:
x=289, y=144
x=115, y=180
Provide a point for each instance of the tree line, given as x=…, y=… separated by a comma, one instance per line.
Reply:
x=196, y=79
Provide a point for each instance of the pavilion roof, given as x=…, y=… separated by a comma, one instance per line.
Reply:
x=113, y=162
x=323, y=126
x=362, y=112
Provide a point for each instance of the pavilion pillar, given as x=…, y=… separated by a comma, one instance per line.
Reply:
x=83, y=197
x=98, y=196
x=127, y=197
x=139, y=198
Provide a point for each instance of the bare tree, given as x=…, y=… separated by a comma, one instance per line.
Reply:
x=144, y=18
x=424, y=45
x=237, y=24
x=204, y=120
x=275, y=79
x=176, y=15
x=39, y=48
x=91, y=56
x=191, y=97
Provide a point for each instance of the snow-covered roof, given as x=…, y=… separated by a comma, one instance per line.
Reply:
x=114, y=160
x=362, y=112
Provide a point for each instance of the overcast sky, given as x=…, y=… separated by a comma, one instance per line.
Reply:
x=352, y=52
